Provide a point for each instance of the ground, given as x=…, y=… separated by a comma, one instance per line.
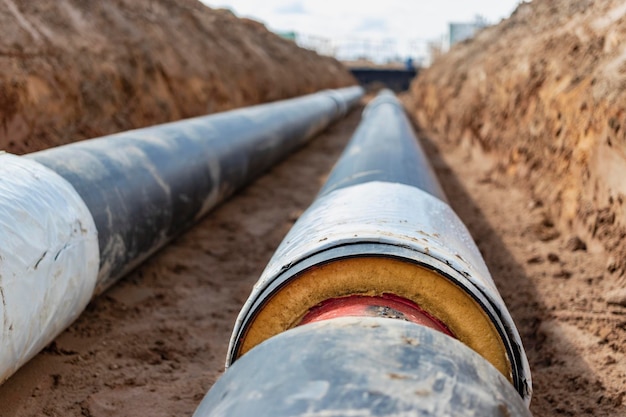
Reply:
x=555, y=290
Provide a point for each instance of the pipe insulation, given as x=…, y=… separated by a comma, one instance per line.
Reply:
x=48, y=258
x=379, y=240
x=76, y=218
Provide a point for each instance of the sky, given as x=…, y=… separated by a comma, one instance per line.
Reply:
x=387, y=24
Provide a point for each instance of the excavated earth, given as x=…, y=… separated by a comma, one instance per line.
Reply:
x=155, y=342
x=72, y=69
x=537, y=106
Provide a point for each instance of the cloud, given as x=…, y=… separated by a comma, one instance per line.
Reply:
x=294, y=7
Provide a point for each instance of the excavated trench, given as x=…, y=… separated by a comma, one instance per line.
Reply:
x=155, y=343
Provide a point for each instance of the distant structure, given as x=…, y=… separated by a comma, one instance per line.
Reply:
x=387, y=52
x=373, y=78
x=460, y=31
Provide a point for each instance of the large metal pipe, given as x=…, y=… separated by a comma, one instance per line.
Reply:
x=380, y=240
x=76, y=218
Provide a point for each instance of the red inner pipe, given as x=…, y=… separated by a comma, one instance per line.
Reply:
x=387, y=305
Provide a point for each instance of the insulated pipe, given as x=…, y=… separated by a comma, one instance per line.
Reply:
x=380, y=240
x=355, y=366
x=145, y=186
x=76, y=218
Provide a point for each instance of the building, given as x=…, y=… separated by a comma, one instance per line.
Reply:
x=459, y=31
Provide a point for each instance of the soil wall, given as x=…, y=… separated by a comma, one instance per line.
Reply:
x=73, y=69
x=543, y=94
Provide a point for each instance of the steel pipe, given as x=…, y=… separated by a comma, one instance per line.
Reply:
x=76, y=218
x=380, y=240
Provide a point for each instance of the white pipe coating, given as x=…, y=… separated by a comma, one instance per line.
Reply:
x=49, y=259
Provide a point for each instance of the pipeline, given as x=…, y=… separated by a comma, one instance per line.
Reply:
x=76, y=218
x=379, y=242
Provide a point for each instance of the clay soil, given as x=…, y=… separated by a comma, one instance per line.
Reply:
x=155, y=343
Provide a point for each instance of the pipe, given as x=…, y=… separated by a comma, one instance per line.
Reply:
x=76, y=218
x=370, y=367
x=145, y=186
x=380, y=240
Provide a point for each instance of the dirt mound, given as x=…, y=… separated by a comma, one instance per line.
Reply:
x=533, y=109
x=545, y=92
x=71, y=69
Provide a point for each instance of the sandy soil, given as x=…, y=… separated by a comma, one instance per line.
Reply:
x=71, y=69
x=530, y=115
x=554, y=289
x=545, y=91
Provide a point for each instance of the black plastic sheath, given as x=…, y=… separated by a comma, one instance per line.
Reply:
x=384, y=148
x=145, y=186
